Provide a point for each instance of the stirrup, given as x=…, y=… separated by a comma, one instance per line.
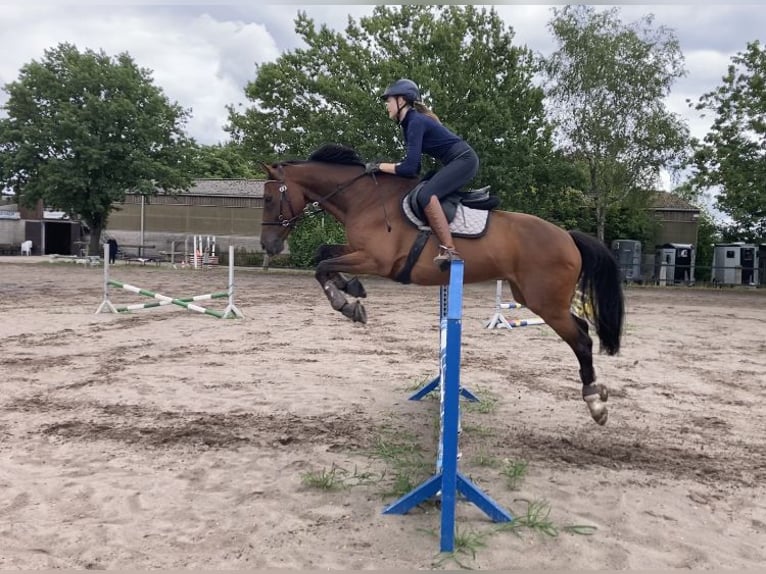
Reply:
x=447, y=254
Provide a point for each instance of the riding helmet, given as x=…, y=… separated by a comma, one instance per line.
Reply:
x=403, y=87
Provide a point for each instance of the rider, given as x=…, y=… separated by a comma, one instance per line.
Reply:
x=425, y=134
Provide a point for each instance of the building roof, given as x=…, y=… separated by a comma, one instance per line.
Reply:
x=663, y=200
x=227, y=187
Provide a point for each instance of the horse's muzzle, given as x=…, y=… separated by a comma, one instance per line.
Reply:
x=272, y=245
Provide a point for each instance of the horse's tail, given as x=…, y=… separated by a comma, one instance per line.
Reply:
x=600, y=283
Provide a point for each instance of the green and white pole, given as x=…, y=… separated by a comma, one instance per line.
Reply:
x=137, y=306
x=165, y=299
x=231, y=310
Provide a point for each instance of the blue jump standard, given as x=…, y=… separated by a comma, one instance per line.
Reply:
x=447, y=480
x=443, y=304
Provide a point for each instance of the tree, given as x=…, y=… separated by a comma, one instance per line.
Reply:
x=732, y=156
x=469, y=72
x=83, y=129
x=221, y=161
x=606, y=85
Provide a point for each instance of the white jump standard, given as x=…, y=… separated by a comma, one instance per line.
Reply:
x=189, y=303
x=498, y=320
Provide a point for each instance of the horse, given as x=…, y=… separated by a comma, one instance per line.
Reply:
x=544, y=264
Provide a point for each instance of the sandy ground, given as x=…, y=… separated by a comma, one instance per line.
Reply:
x=168, y=439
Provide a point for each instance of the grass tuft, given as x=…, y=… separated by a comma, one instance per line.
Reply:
x=514, y=472
x=337, y=478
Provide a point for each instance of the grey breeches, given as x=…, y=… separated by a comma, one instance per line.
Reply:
x=457, y=172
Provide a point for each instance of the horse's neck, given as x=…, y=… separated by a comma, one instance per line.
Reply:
x=360, y=196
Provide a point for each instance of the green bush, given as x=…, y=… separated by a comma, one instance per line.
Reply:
x=312, y=232
x=245, y=258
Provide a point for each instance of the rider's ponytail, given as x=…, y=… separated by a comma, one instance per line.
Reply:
x=424, y=109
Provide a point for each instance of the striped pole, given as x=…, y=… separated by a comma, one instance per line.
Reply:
x=511, y=305
x=525, y=322
x=137, y=306
x=231, y=310
x=165, y=299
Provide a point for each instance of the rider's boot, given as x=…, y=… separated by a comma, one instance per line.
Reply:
x=439, y=225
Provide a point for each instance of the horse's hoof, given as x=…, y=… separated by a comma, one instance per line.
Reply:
x=602, y=417
x=360, y=313
x=355, y=311
x=596, y=405
x=355, y=288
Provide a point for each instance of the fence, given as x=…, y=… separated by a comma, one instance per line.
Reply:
x=699, y=275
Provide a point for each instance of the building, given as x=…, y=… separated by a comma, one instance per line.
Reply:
x=49, y=231
x=675, y=239
x=227, y=209
x=678, y=220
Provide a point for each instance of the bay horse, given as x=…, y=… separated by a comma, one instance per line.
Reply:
x=544, y=264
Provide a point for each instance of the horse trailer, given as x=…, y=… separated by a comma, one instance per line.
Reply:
x=736, y=263
x=674, y=263
x=628, y=255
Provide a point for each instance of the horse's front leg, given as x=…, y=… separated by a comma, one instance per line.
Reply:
x=351, y=286
x=327, y=271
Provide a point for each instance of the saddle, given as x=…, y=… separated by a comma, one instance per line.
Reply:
x=467, y=211
x=474, y=199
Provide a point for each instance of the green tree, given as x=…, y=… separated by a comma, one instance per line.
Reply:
x=470, y=74
x=632, y=222
x=607, y=82
x=83, y=129
x=310, y=233
x=708, y=234
x=221, y=161
x=732, y=157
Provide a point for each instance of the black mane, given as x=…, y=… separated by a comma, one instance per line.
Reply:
x=336, y=153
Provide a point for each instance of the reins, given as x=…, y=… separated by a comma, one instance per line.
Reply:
x=317, y=204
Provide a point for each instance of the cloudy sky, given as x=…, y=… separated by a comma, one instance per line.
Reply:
x=202, y=54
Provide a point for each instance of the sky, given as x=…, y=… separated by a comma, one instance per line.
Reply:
x=202, y=54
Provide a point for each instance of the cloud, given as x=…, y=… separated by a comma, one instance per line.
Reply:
x=202, y=55
x=529, y=23
x=198, y=61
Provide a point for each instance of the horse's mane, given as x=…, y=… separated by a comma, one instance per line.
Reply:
x=336, y=153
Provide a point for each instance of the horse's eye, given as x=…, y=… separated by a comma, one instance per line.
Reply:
x=267, y=199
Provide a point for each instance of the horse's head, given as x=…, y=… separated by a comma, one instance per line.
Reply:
x=293, y=184
x=283, y=206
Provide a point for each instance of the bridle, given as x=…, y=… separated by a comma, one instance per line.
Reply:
x=316, y=205
x=283, y=221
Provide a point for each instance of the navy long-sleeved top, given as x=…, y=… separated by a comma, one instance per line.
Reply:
x=424, y=135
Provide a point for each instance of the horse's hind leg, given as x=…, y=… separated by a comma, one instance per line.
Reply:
x=554, y=308
x=594, y=395
x=574, y=331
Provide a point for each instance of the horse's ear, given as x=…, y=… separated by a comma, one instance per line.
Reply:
x=273, y=171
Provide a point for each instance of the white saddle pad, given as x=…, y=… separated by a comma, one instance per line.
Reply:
x=468, y=222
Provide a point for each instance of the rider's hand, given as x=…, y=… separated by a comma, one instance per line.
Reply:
x=371, y=167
